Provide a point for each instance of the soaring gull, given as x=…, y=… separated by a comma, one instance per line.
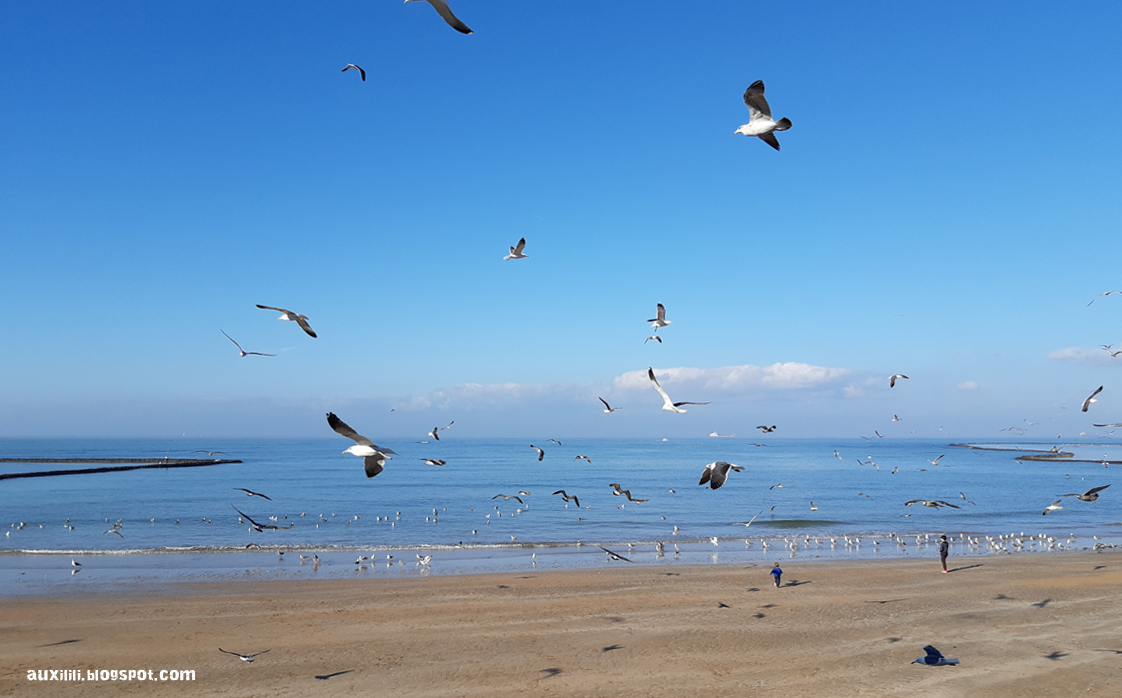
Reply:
x=766, y=429
x=935, y=658
x=608, y=409
x=541, y=453
x=299, y=319
x=892, y=379
x=659, y=320
x=374, y=457
x=251, y=493
x=435, y=433
x=717, y=472
x=1104, y=293
x=933, y=503
x=434, y=461
x=667, y=403
x=1091, y=398
x=241, y=351
x=617, y=490
x=507, y=499
x=1054, y=506
x=260, y=526
x=760, y=123
x=567, y=497
x=244, y=657
x=516, y=251
x=442, y=8
x=361, y=72
x=614, y=556
x=1088, y=496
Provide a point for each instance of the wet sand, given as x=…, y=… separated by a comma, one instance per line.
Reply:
x=1022, y=625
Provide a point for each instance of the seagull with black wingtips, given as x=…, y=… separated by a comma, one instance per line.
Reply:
x=373, y=456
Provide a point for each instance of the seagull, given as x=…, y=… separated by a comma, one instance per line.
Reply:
x=617, y=491
x=541, y=453
x=614, y=556
x=244, y=657
x=760, y=123
x=449, y=425
x=1054, y=506
x=667, y=404
x=567, y=497
x=1109, y=426
x=374, y=457
x=837, y=455
x=1088, y=496
x=935, y=658
x=892, y=379
x=812, y=507
x=555, y=441
x=659, y=319
x=717, y=472
x=442, y=8
x=299, y=319
x=608, y=409
x=585, y=458
x=896, y=418
x=768, y=430
x=435, y=433
x=516, y=251
x=113, y=530
x=1091, y=398
x=749, y=522
x=75, y=563
x=361, y=72
x=241, y=351
x=507, y=499
x=775, y=487
x=936, y=461
x=424, y=560
x=212, y=453
x=433, y=461
x=1104, y=293
x=655, y=337
x=260, y=527
x=963, y=495
x=933, y=503
x=250, y=493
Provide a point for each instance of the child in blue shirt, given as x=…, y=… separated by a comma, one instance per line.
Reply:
x=777, y=573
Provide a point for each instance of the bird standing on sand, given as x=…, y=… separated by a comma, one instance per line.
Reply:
x=516, y=251
x=373, y=456
x=717, y=472
x=301, y=320
x=442, y=8
x=361, y=72
x=667, y=404
x=760, y=124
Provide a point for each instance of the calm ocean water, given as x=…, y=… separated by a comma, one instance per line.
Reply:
x=450, y=512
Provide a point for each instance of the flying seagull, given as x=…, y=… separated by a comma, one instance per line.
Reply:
x=211, y=453
x=241, y=351
x=299, y=319
x=449, y=425
x=767, y=429
x=1104, y=293
x=760, y=123
x=555, y=441
x=243, y=657
x=667, y=404
x=1094, y=425
x=442, y=8
x=113, y=530
x=749, y=522
x=935, y=658
x=1054, y=506
x=655, y=337
x=936, y=461
x=374, y=457
x=614, y=556
x=608, y=409
x=567, y=497
x=516, y=251
x=659, y=319
x=1091, y=398
x=507, y=499
x=435, y=433
x=361, y=72
x=717, y=472
x=617, y=490
x=933, y=503
x=259, y=526
x=434, y=461
x=892, y=379
x=963, y=495
x=583, y=458
x=250, y=493
x=541, y=453
x=1088, y=496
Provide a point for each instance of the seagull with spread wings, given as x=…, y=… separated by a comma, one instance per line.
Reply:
x=1104, y=293
x=760, y=124
x=244, y=657
x=717, y=472
x=361, y=72
x=373, y=456
x=933, y=503
x=659, y=320
x=617, y=490
x=935, y=658
x=1088, y=496
x=301, y=320
x=259, y=527
x=1091, y=398
x=892, y=379
x=667, y=403
x=608, y=409
x=516, y=251
x=567, y=497
x=541, y=453
x=241, y=351
x=251, y=493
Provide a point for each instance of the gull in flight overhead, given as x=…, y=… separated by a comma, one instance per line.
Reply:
x=963, y=495
x=113, y=530
x=584, y=458
x=211, y=453
x=1091, y=398
x=373, y=457
x=936, y=461
x=837, y=455
x=608, y=409
x=250, y=493
x=767, y=429
x=812, y=507
x=717, y=472
x=244, y=657
x=434, y=461
x=614, y=556
x=775, y=487
x=567, y=497
x=1109, y=426
x=1104, y=293
x=541, y=453
x=760, y=123
x=435, y=433
x=896, y=418
x=617, y=491
x=659, y=320
x=749, y=522
x=935, y=658
x=655, y=337
x=361, y=72
x=299, y=319
x=516, y=251
x=507, y=499
x=241, y=351
x=555, y=441
x=449, y=425
x=1088, y=496
x=259, y=527
x=892, y=379
x=442, y=8
x=1054, y=506
x=933, y=503
x=667, y=404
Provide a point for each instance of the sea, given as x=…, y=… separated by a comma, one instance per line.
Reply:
x=805, y=499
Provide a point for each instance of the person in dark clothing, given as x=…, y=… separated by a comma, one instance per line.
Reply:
x=944, y=546
x=776, y=573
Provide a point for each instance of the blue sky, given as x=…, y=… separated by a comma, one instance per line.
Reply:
x=945, y=206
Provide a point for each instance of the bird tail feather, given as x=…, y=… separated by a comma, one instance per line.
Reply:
x=783, y=124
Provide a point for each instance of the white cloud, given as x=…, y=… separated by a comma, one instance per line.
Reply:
x=737, y=379
x=968, y=385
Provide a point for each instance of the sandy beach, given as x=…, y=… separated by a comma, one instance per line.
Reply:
x=1025, y=625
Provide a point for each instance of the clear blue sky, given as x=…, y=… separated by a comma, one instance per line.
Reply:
x=945, y=206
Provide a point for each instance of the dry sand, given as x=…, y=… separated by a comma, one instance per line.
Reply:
x=1024, y=625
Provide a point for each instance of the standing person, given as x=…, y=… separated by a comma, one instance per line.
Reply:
x=944, y=546
x=776, y=573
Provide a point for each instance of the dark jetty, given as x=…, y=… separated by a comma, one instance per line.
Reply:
x=137, y=464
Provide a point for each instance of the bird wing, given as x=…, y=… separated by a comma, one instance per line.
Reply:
x=303, y=322
x=279, y=310
x=1094, y=490
x=665, y=398
x=517, y=249
x=452, y=20
x=933, y=653
x=757, y=105
x=343, y=429
x=232, y=340
x=707, y=473
x=679, y=404
x=947, y=504
x=374, y=464
x=606, y=405
x=719, y=475
x=770, y=139
x=246, y=516
x=936, y=461
x=660, y=315
x=1087, y=402
x=256, y=654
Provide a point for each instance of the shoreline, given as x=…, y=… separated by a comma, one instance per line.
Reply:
x=1021, y=625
